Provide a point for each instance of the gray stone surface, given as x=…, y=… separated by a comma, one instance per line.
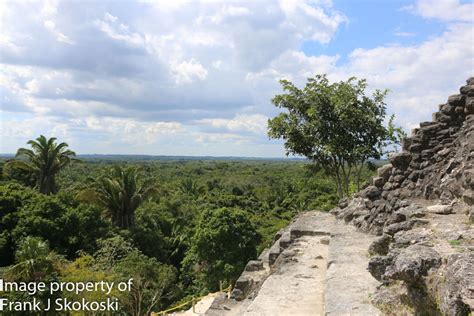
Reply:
x=400, y=160
x=348, y=283
x=457, y=294
x=423, y=204
x=254, y=265
x=385, y=171
x=413, y=263
x=310, y=276
x=440, y=209
x=380, y=246
x=241, y=288
x=378, y=182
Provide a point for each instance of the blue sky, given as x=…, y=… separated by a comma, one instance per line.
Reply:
x=196, y=77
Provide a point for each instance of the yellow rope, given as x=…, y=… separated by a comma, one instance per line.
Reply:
x=190, y=301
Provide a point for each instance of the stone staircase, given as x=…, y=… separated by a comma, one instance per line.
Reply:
x=317, y=266
x=421, y=206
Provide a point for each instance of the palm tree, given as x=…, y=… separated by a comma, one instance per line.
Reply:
x=120, y=193
x=43, y=162
x=34, y=260
x=191, y=187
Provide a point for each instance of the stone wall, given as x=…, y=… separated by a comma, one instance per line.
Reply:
x=432, y=177
x=421, y=204
x=436, y=163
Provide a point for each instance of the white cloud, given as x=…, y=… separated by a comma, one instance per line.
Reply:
x=310, y=21
x=204, y=71
x=109, y=17
x=253, y=123
x=108, y=130
x=445, y=10
x=132, y=131
x=228, y=11
x=295, y=66
x=419, y=76
x=49, y=13
x=403, y=34
x=166, y=5
x=119, y=32
x=188, y=71
x=60, y=37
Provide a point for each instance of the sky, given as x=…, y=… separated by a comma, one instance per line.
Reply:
x=197, y=77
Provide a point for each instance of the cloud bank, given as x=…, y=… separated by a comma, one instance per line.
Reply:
x=196, y=77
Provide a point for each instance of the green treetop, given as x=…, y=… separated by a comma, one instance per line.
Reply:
x=43, y=162
x=335, y=125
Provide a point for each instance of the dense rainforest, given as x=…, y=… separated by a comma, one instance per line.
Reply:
x=184, y=227
x=178, y=227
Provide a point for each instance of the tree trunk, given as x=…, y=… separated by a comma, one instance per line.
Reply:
x=359, y=172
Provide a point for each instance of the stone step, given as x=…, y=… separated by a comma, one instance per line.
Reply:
x=348, y=283
x=318, y=267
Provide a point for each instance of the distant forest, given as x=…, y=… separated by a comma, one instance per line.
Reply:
x=179, y=227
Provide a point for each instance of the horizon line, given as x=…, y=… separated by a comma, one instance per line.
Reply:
x=175, y=156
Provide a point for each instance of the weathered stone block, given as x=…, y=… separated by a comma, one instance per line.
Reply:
x=285, y=240
x=371, y=192
x=411, y=237
x=379, y=264
x=406, y=143
x=241, y=288
x=441, y=117
x=447, y=109
x=380, y=246
x=413, y=263
x=427, y=153
x=468, y=197
x=254, y=265
x=467, y=90
x=273, y=254
x=394, y=228
x=426, y=124
x=416, y=147
x=378, y=182
x=456, y=100
x=324, y=241
x=385, y=171
x=457, y=297
x=469, y=109
x=400, y=160
x=440, y=209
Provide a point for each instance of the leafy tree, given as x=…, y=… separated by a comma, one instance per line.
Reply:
x=34, y=263
x=120, y=193
x=224, y=241
x=43, y=162
x=268, y=193
x=9, y=172
x=147, y=233
x=335, y=125
x=152, y=282
x=84, y=269
x=33, y=260
x=191, y=187
x=68, y=229
x=111, y=250
x=12, y=197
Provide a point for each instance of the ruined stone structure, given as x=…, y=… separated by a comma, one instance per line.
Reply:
x=421, y=206
x=436, y=163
